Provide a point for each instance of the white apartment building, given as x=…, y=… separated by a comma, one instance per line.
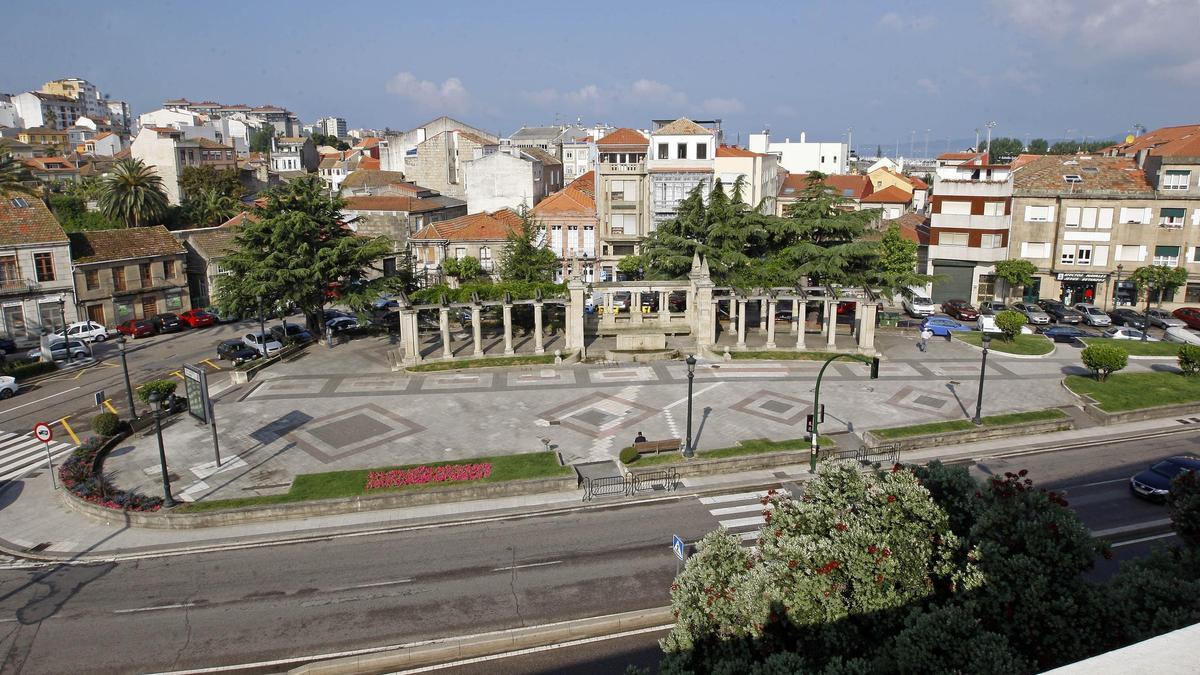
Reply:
x=331, y=126
x=760, y=174
x=681, y=157
x=168, y=151
x=38, y=109
x=804, y=157
x=511, y=178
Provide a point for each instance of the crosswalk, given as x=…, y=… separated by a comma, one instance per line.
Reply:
x=740, y=513
x=22, y=453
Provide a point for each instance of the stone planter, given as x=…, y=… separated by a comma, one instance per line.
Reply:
x=981, y=433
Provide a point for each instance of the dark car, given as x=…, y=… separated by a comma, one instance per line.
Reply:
x=291, y=333
x=1188, y=315
x=136, y=328
x=1155, y=482
x=960, y=309
x=1065, y=333
x=1123, y=316
x=236, y=351
x=7, y=346
x=198, y=318
x=221, y=317
x=167, y=322
x=1060, y=312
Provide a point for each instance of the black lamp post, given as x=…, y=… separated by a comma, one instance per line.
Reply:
x=1117, y=285
x=262, y=328
x=125, y=369
x=62, y=317
x=691, y=365
x=987, y=340
x=156, y=402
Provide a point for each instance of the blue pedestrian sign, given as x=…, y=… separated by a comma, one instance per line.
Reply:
x=677, y=546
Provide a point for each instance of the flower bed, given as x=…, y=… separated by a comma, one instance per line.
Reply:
x=419, y=475
x=81, y=476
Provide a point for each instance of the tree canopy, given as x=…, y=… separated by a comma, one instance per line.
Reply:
x=133, y=194
x=897, y=265
x=1158, y=281
x=525, y=256
x=14, y=177
x=260, y=139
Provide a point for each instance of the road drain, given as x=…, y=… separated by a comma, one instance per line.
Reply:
x=38, y=548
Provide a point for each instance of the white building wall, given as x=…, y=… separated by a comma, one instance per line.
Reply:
x=29, y=109
x=803, y=156
x=500, y=180
x=160, y=153
x=9, y=117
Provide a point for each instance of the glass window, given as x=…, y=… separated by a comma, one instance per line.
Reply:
x=990, y=241
x=9, y=272
x=1172, y=217
x=14, y=322
x=662, y=150
x=681, y=151
x=1072, y=216
x=1084, y=256
x=1176, y=180
x=952, y=239
x=701, y=151
x=118, y=274
x=1037, y=214
x=146, y=276
x=174, y=302
x=168, y=269
x=1191, y=294
x=1067, y=257
x=91, y=279
x=51, y=316
x=44, y=264
x=1166, y=255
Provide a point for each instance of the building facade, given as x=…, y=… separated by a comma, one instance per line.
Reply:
x=970, y=214
x=622, y=194
x=131, y=273
x=169, y=152
x=36, y=290
x=38, y=109
x=397, y=218
x=479, y=235
x=681, y=158
x=569, y=219
x=331, y=126
x=294, y=153
x=512, y=178
x=759, y=172
x=804, y=157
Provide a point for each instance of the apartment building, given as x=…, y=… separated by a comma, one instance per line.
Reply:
x=622, y=194
x=38, y=109
x=569, y=219
x=131, y=273
x=331, y=126
x=479, y=235
x=760, y=173
x=294, y=153
x=36, y=291
x=804, y=156
x=440, y=162
x=168, y=151
x=512, y=177
x=396, y=218
x=681, y=158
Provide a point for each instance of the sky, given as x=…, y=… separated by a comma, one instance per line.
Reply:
x=894, y=72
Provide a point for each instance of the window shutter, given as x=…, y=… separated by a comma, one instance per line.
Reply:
x=1100, y=256
x=1191, y=253
x=1050, y=213
x=1073, y=215
x=1141, y=253
x=1147, y=215
x=1105, y=219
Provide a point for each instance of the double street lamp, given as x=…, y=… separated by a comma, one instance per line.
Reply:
x=156, y=402
x=987, y=340
x=688, y=451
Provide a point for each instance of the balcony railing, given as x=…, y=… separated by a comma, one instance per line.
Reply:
x=17, y=286
x=631, y=167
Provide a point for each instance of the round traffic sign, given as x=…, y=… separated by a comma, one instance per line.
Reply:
x=42, y=431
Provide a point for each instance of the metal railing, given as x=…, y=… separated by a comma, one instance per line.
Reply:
x=17, y=286
x=630, y=484
x=883, y=455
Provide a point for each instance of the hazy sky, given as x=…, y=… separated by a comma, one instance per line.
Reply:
x=886, y=69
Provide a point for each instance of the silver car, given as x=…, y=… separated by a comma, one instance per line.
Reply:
x=1032, y=312
x=1164, y=319
x=1093, y=315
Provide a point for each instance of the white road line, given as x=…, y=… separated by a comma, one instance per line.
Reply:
x=749, y=536
x=741, y=522
x=520, y=567
x=23, y=405
x=741, y=496
x=1138, y=541
x=1097, y=483
x=696, y=393
x=376, y=584
x=742, y=508
x=181, y=605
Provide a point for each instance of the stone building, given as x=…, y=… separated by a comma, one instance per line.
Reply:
x=440, y=162
x=397, y=218
x=479, y=235
x=36, y=289
x=569, y=219
x=622, y=196
x=131, y=273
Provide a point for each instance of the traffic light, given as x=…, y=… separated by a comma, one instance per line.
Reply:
x=874, y=367
x=821, y=416
x=808, y=424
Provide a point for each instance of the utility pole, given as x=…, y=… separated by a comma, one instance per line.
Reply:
x=849, y=144
x=912, y=143
x=990, y=126
x=976, y=139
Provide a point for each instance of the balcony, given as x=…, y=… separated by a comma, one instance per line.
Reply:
x=18, y=286
x=968, y=253
x=632, y=167
x=970, y=221
x=973, y=188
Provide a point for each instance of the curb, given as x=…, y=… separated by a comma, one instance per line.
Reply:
x=1007, y=355
x=1149, y=527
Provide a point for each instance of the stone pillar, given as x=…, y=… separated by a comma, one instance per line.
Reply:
x=822, y=319
x=574, y=318
x=508, y=348
x=635, y=307
x=797, y=317
x=770, y=304
x=741, y=324
x=866, y=329
x=664, y=309
x=444, y=325
x=831, y=323
x=609, y=319
x=856, y=326
x=538, y=347
x=733, y=313
x=800, y=321
x=762, y=319
x=477, y=329
x=408, y=336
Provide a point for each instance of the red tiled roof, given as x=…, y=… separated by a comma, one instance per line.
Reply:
x=913, y=227
x=369, y=163
x=888, y=195
x=586, y=182
x=408, y=204
x=624, y=136
x=1168, y=141
x=567, y=201
x=958, y=155
x=1096, y=174
x=735, y=151
x=493, y=226
x=240, y=219
x=368, y=142
x=851, y=186
x=122, y=244
x=30, y=224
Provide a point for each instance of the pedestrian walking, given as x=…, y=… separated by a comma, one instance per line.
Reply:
x=923, y=343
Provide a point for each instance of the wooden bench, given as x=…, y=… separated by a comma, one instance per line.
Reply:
x=656, y=447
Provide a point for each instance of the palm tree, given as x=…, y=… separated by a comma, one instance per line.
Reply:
x=211, y=207
x=133, y=194
x=14, y=175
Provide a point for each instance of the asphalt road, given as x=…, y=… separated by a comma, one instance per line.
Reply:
x=362, y=591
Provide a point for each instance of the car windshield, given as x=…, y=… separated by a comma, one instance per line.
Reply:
x=1167, y=468
x=921, y=301
x=1092, y=310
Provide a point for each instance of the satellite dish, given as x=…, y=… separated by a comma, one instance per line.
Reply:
x=1129, y=138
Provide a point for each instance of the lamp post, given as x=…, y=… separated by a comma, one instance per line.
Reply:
x=987, y=340
x=62, y=317
x=691, y=365
x=1120, y=268
x=125, y=370
x=816, y=413
x=156, y=402
x=262, y=328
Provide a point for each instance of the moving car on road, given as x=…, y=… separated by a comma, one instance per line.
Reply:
x=1188, y=315
x=1123, y=316
x=167, y=322
x=1032, y=312
x=58, y=350
x=87, y=331
x=1060, y=312
x=136, y=328
x=1127, y=334
x=943, y=326
x=237, y=351
x=1065, y=333
x=1155, y=482
x=960, y=309
x=1163, y=319
x=1093, y=315
x=262, y=343
x=919, y=306
x=198, y=318
x=8, y=386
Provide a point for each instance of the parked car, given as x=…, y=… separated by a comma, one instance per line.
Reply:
x=289, y=333
x=1155, y=482
x=1093, y=315
x=960, y=309
x=340, y=324
x=986, y=323
x=221, y=317
x=136, y=328
x=1181, y=335
x=1065, y=333
x=1163, y=319
x=943, y=326
x=1033, y=313
x=87, y=331
x=1060, y=312
x=58, y=350
x=1127, y=334
x=198, y=318
x=1188, y=315
x=167, y=322
x=8, y=386
x=992, y=307
x=1123, y=316
x=331, y=314
x=918, y=306
x=263, y=344
x=237, y=351
x=7, y=346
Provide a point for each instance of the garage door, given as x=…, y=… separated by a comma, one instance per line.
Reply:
x=953, y=280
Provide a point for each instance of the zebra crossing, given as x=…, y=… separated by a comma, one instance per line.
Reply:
x=22, y=453
x=740, y=513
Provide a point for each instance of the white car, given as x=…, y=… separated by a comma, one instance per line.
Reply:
x=1127, y=334
x=1093, y=315
x=8, y=386
x=986, y=323
x=1164, y=319
x=58, y=350
x=1181, y=335
x=919, y=306
x=88, y=331
x=263, y=344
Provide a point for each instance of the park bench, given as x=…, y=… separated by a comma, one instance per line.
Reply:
x=657, y=447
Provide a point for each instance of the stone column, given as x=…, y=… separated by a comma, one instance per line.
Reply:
x=508, y=347
x=822, y=319
x=477, y=329
x=609, y=319
x=762, y=319
x=866, y=329
x=574, y=318
x=770, y=323
x=635, y=307
x=831, y=323
x=800, y=321
x=856, y=326
x=444, y=325
x=408, y=336
x=664, y=310
x=538, y=347
x=797, y=317
x=733, y=313
x=741, y=324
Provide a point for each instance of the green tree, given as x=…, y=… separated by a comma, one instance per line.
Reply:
x=632, y=266
x=463, y=269
x=525, y=256
x=1038, y=146
x=298, y=245
x=71, y=211
x=133, y=194
x=1104, y=359
x=896, y=268
x=209, y=207
x=1184, y=502
x=1010, y=323
x=1189, y=359
x=196, y=180
x=1158, y=281
x=328, y=139
x=260, y=139
x=819, y=238
x=1005, y=147
x=14, y=176
x=1016, y=273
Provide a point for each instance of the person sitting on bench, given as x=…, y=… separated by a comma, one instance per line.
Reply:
x=639, y=438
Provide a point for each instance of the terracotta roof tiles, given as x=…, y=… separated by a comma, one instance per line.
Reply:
x=1096, y=174
x=624, y=136
x=123, y=244
x=683, y=127
x=29, y=224
x=493, y=226
x=569, y=201
x=888, y=195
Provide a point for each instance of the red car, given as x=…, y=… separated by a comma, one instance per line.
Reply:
x=136, y=328
x=198, y=318
x=1188, y=315
x=960, y=309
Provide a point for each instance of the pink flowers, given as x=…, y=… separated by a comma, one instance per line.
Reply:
x=446, y=473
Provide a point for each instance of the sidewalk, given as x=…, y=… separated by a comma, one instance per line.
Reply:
x=33, y=517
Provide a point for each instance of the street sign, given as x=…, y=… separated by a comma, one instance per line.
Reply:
x=42, y=432
x=100, y=398
x=195, y=386
x=677, y=546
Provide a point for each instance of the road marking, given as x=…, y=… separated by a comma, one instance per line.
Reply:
x=178, y=374
x=742, y=508
x=521, y=567
x=695, y=394
x=1097, y=483
x=741, y=522
x=70, y=431
x=376, y=584
x=209, y=362
x=108, y=404
x=740, y=496
x=1150, y=538
x=46, y=398
x=156, y=608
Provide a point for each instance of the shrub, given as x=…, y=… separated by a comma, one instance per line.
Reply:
x=1189, y=359
x=106, y=424
x=30, y=368
x=1010, y=323
x=1184, y=501
x=164, y=388
x=77, y=475
x=629, y=455
x=1104, y=360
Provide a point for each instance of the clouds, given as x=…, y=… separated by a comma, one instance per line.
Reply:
x=450, y=96
x=928, y=86
x=642, y=94
x=722, y=106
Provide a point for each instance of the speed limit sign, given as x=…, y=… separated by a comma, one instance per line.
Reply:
x=42, y=432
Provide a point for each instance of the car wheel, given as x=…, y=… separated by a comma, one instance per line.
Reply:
x=6, y=394
x=100, y=338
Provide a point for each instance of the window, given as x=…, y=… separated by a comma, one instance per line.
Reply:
x=987, y=287
x=1038, y=214
x=1067, y=257
x=1171, y=217
x=662, y=151
x=621, y=190
x=952, y=239
x=1084, y=255
x=19, y=203
x=460, y=253
x=1166, y=255
x=174, y=302
x=956, y=208
x=1191, y=294
x=118, y=274
x=146, y=275
x=10, y=274
x=1138, y=216
x=1035, y=249
x=701, y=151
x=1073, y=178
x=993, y=208
x=51, y=316
x=168, y=269
x=1100, y=256
x=91, y=279
x=681, y=151
x=624, y=223
x=43, y=263
x=1131, y=253
x=1089, y=218
x=990, y=241
x=556, y=238
x=1105, y=218
x=1072, y=216
x=1176, y=180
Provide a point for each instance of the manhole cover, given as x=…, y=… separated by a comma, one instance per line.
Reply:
x=776, y=406
x=930, y=402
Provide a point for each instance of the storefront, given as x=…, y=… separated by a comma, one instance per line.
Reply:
x=1077, y=287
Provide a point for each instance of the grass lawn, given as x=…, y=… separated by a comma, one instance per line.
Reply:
x=1139, y=348
x=334, y=484
x=750, y=447
x=487, y=362
x=1032, y=345
x=1131, y=391
x=893, y=433
x=784, y=356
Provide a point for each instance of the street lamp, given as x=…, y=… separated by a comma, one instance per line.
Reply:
x=1120, y=268
x=691, y=365
x=872, y=361
x=156, y=402
x=262, y=328
x=125, y=369
x=987, y=340
x=62, y=317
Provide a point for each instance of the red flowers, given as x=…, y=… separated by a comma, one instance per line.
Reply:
x=842, y=527
x=871, y=549
x=828, y=567
x=419, y=475
x=891, y=498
